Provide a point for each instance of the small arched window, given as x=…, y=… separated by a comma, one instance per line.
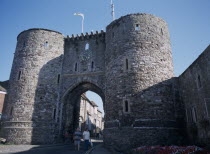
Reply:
x=46, y=44
x=75, y=67
x=87, y=46
x=137, y=27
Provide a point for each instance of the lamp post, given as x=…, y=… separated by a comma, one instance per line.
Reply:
x=83, y=17
x=112, y=7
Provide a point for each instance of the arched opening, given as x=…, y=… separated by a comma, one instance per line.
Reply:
x=46, y=44
x=87, y=46
x=83, y=108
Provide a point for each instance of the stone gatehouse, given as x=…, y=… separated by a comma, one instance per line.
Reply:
x=130, y=66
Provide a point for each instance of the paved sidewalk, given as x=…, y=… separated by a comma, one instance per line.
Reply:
x=99, y=149
x=21, y=148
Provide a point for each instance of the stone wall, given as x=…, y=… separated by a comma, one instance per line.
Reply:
x=32, y=97
x=130, y=67
x=138, y=73
x=82, y=69
x=81, y=64
x=195, y=93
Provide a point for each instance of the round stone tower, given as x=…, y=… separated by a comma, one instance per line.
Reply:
x=37, y=62
x=139, y=102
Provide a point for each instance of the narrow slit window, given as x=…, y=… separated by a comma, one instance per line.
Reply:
x=207, y=100
x=46, y=44
x=92, y=66
x=161, y=31
x=24, y=44
x=87, y=46
x=11, y=110
x=75, y=67
x=194, y=114
x=112, y=34
x=54, y=114
x=126, y=106
x=189, y=115
x=126, y=64
x=137, y=27
x=19, y=75
x=58, y=79
x=199, y=81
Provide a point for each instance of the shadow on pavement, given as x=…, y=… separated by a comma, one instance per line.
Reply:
x=56, y=149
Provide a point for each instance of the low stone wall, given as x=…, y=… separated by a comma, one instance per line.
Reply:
x=27, y=132
x=121, y=140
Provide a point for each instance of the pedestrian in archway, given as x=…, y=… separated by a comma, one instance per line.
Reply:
x=77, y=139
x=86, y=137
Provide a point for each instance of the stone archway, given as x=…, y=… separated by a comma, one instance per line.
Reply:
x=71, y=105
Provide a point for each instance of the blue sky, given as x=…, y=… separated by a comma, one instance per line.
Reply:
x=188, y=21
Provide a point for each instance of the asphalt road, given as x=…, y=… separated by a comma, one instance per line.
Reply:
x=60, y=149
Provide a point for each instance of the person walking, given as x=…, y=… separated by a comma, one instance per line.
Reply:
x=86, y=137
x=77, y=139
x=97, y=133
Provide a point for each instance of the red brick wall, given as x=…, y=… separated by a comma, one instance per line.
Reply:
x=2, y=96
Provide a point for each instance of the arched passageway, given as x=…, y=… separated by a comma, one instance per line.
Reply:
x=71, y=105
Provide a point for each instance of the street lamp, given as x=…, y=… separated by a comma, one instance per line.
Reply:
x=83, y=16
x=112, y=7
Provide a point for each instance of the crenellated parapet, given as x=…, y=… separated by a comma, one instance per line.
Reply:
x=86, y=36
